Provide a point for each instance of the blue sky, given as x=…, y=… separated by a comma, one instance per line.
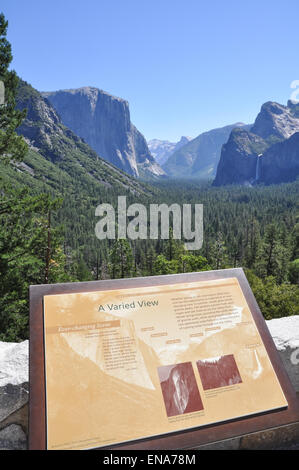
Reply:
x=184, y=66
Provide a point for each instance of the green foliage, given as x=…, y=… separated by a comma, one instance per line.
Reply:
x=27, y=256
x=294, y=271
x=184, y=263
x=189, y=263
x=30, y=247
x=250, y=227
x=121, y=259
x=12, y=146
x=81, y=271
x=47, y=217
x=273, y=254
x=218, y=252
x=172, y=247
x=165, y=266
x=275, y=300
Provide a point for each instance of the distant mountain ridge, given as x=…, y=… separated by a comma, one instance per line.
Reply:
x=162, y=149
x=103, y=121
x=88, y=124
x=200, y=156
x=267, y=153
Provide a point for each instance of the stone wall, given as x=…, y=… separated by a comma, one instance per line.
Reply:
x=14, y=392
x=285, y=333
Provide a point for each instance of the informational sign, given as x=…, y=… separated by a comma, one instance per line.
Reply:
x=130, y=363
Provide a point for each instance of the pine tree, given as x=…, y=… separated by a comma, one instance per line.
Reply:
x=294, y=271
x=273, y=256
x=150, y=259
x=172, y=247
x=218, y=252
x=192, y=263
x=253, y=247
x=121, y=259
x=30, y=247
x=12, y=146
x=27, y=256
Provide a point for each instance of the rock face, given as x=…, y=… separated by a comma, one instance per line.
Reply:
x=276, y=120
x=280, y=163
x=13, y=363
x=162, y=149
x=50, y=139
x=14, y=393
x=285, y=333
x=239, y=157
x=147, y=167
x=267, y=153
x=200, y=156
x=103, y=121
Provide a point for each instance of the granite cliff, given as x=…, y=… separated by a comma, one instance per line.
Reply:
x=280, y=163
x=267, y=153
x=238, y=159
x=103, y=121
x=59, y=158
x=276, y=121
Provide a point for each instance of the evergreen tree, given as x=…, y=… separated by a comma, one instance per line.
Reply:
x=150, y=258
x=172, y=247
x=30, y=247
x=121, y=259
x=82, y=273
x=27, y=256
x=191, y=263
x=12, y=146
x=274, y=255
x=294, y=271
x=218, y=253
x=295, y=242
x=164, y=266
x=253, y=247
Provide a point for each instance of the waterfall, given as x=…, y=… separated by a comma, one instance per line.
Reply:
x=257, y=168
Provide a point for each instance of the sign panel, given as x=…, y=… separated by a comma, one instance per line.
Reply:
x=136, y=362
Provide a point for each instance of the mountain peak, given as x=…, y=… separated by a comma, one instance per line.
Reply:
x=275, y=120
x=59, y=155
x=270, y=138
x=103, y=121
x=198, y=157
x=184, y=139
x=88, y=91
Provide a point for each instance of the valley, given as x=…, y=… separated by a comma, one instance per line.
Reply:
x=66, y=152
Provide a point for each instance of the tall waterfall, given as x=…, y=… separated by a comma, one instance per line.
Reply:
x=257, y=168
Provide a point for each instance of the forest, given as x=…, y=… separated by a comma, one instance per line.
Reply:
x=47, y=227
